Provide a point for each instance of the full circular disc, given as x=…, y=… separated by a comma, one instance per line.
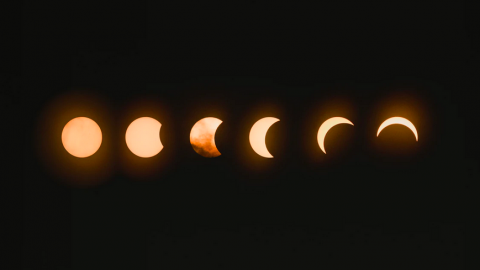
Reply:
x=81, y=137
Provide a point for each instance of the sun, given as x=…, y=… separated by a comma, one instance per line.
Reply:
x=81, y=137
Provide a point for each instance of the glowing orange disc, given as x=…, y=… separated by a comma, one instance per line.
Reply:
x=81, y=137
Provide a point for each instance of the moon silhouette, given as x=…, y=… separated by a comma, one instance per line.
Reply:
x=202, y=137
x=81, y=137
x=326, y=126
x=143, y=137
x=258, y=133
x=398, y=120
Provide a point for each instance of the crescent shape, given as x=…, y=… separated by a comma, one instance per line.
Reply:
x=143, y=137
x=326, y=126
x=258, y=133
x=202, y=137
x=398, y=120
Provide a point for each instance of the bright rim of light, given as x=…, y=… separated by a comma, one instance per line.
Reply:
x=81, y=137
x=400, y=121
x=202, y=137
x=258, y=133
x=326, y=126
x=143, y=137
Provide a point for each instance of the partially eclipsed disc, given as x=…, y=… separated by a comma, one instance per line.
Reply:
x=202, y=137
x=400, y=121
x=258, y=134
x=326, y=126
x=143, y=137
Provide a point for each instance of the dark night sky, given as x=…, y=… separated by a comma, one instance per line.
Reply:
x=389, y=203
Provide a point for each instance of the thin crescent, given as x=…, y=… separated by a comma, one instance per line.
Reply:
x=258, y=133
x=326, y=126
x=398, y=120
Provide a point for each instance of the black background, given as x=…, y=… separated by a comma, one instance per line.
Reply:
x=389, y=202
